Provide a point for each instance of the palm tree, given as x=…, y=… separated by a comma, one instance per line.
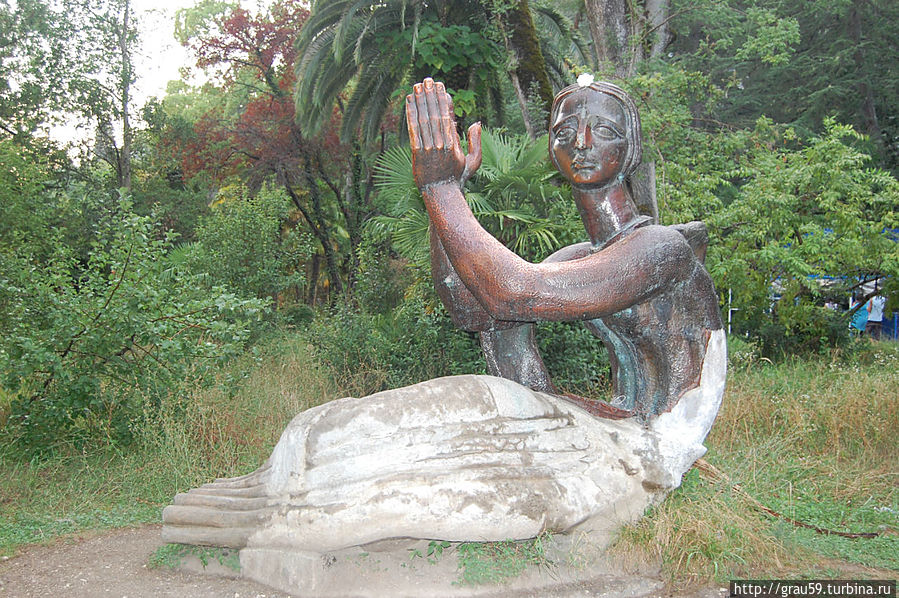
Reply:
x=374, y=45
x=370, y=49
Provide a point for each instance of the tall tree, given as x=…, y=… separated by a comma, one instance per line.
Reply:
x=367, y=51
x=255, y=136
x=626, y=33
x=117, y=36
x=378, y=45
x=799, y=63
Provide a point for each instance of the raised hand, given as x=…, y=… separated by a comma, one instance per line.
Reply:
x=437, y=155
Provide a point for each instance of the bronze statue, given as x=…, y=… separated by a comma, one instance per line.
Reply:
x=640, y=287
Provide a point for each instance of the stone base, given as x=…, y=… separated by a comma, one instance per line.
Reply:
x=462, y=459
x=389, y=568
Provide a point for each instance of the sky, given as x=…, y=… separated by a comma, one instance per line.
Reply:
x=161, y=55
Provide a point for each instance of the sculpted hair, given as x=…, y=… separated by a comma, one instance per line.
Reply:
x=632, y=132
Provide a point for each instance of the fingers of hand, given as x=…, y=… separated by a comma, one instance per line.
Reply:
x=473, y=159
x=432, y=93
x=474, y=139
x=425, y=130
x=412, y=122
x=445, y=121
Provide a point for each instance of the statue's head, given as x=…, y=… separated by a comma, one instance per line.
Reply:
x=594, y=134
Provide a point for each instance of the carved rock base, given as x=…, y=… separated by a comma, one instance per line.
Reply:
x=464, y=458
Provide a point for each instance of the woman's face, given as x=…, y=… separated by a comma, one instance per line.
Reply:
x=588, y=140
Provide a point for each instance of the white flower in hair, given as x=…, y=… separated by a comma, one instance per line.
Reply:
x=585, y=80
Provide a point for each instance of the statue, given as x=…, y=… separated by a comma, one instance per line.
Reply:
x=641, y=288
x=489, y=458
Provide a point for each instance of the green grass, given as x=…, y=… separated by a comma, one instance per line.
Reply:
x=812, y=440
x=171, y=556
x=498, y=562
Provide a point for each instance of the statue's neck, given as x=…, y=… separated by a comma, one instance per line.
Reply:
x=606, y=211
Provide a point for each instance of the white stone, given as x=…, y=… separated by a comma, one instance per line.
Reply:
x=464, y=458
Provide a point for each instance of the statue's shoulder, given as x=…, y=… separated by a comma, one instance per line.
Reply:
x=697, y=236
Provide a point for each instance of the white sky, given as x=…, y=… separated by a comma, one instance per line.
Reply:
x=160, y=55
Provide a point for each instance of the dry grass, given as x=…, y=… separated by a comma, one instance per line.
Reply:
x=231, y=427
x=849, y=411
x=813, y=440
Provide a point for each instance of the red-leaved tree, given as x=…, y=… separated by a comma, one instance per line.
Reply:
x=251, y=57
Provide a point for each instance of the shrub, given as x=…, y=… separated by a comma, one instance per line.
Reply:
x=85, y=336
x=372, y=352
x=245, y=245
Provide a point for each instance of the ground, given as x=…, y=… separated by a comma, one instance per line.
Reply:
x=114, y=564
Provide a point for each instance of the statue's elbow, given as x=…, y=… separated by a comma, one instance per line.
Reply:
x=509, y=299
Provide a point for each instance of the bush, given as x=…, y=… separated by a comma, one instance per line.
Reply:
x=244, y=245
x=577, y=360
x=86, y=336
x=368, y=353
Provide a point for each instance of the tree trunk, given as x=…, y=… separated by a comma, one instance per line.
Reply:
x=657, y=27
x=627, y=32
x=528, y=66
x=522, y=98
x=125, y=98
x=318, y=225
x=610, y=27
x=866, y=93
x=314, y=271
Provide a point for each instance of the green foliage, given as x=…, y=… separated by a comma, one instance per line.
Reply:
x=498, y=562
x=826, y=215
x=372, y=352
x=797, y=63
x=434, y=552
x=171, y=556
x=443, y=48
x=222, y=425
x=370, y=49
x=83, y=337
x=518, y=196
x=246, y=244
x=199, y=20
x=23, y=221
x=577, y=360
x=792, y=222
x=374, y=52
x=770, y=38
x=382, y=281
x=403, y=220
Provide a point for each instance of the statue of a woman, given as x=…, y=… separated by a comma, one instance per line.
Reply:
x=642, y=288
x=481, y=457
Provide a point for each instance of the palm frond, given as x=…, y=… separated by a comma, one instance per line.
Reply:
x=347, y=22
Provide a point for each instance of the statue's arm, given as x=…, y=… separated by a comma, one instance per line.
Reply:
x=466, y=312
x=508, y=287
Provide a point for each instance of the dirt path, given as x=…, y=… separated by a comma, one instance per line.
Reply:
x=114, y=564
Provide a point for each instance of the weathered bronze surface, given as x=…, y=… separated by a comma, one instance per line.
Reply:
x=640, y=287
